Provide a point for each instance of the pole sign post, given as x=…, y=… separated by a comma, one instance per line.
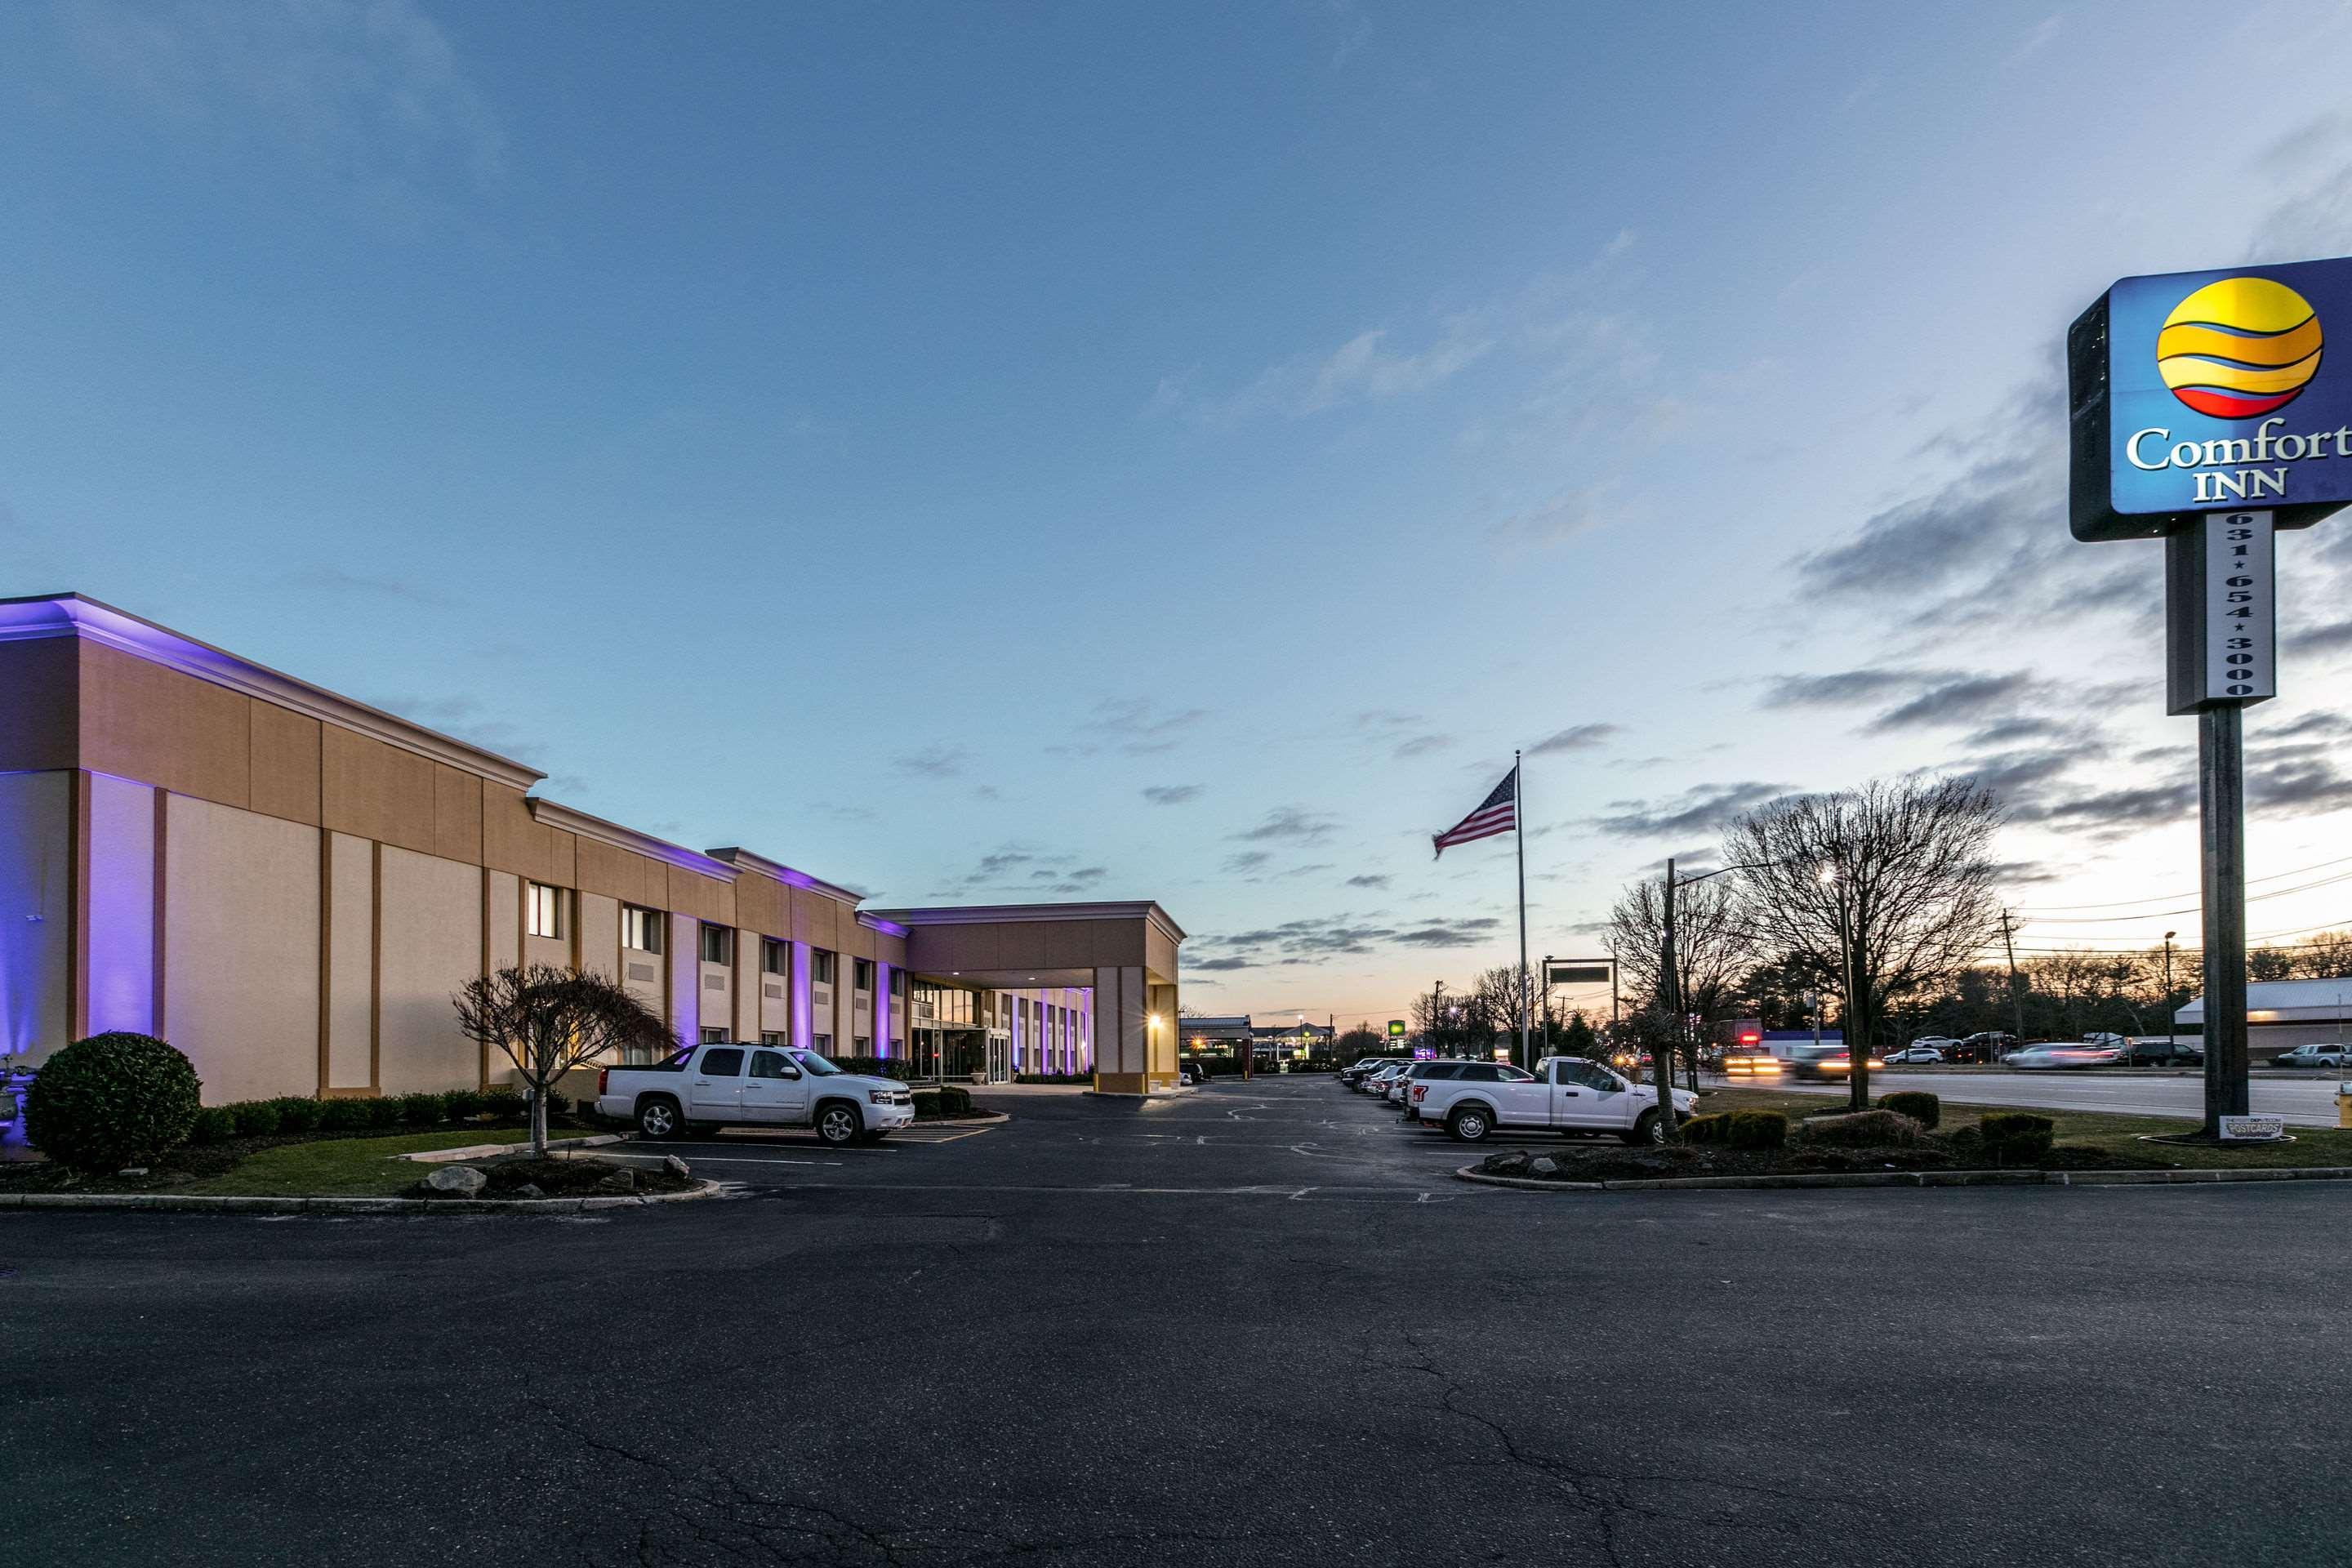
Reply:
x=1396, y=1028
x=2205, y=414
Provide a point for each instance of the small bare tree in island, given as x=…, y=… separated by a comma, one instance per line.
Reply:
x=549, y=1021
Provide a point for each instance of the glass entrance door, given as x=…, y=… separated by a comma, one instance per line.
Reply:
x=1000, y=1055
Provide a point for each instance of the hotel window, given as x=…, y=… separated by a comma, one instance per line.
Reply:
x=718, y=943
x=821, y=967
x=713, y=1036
x=641, y=928
x=545, y=906
x=820, y=1044
x=776, y=957
x=898, y=982
x=773, y=1037
x=863, y=969
x=864, y=1047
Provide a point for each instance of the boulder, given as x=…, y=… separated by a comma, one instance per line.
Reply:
x=456, y=1181
x=1543, y=1165
x=621, y=1181
x=675, y=1166
x=1510, y=1164
x=528, y=1190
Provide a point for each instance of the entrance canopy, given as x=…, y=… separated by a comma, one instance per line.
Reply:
x=1122, y=955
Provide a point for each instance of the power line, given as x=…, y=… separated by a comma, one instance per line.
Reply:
x=2193, y=892
x=2190, y=909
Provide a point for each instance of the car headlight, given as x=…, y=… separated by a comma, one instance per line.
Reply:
x=880, y=1096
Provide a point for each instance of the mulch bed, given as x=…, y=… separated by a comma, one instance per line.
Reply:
x=523, y=1177
x=196, y=1162
x=1624, y=1165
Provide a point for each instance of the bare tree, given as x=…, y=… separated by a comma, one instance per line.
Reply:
x=1887, y=887
x=1712, y=952
x=549, y=1021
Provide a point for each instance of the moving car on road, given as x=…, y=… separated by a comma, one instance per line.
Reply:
x=1823, y=1061
x=727, y=1084
x=1565, y=1094
x=2088, y=1052
x=2311, y=1057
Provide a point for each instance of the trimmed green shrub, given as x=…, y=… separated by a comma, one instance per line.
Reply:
x=505, y=1104
x=255, y=1118
x=954, y=1101
x=215, y=1124
x=383, y=1111
x=343, y=1115
x=1862, y=1130
x=462, y=1104
x=558, y=1104
x=111, y=1101
x=298, y=1113
x=2015, y=1136
x=1713, y=1129
x=1916, y=1103
x=1755, y=1130
x=421, y=1109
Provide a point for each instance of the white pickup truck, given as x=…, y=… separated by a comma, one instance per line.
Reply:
x=727, y=1084
x=1564, y=1094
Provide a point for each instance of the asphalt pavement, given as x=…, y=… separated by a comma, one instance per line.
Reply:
x=1256, y=1324
x=2304, y=1102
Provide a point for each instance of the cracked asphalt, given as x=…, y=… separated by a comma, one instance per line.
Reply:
x=1256, y=1324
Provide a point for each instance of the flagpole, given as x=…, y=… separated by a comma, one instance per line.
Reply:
x=1519, y=834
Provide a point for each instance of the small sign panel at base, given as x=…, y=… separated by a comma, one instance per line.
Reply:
x=2253, y=1129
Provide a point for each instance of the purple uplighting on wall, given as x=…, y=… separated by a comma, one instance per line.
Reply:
x=803, y=1003
x=122, y=906
x=882, y=1010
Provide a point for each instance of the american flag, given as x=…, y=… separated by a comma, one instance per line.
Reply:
x=1498, y=812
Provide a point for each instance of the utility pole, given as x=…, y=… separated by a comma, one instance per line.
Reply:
x=1670, y=997
x=2171, y=1034
x=2016, y=996
x=1436, y=1015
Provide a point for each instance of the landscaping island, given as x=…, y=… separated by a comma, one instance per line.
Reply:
x=1758, y=1132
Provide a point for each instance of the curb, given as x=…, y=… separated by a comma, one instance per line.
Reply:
x=990, y=1119
x=491, y=1150
x=189, y=1203
x=1923, y=1179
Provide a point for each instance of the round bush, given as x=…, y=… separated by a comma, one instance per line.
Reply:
x=1711, y=1129
x=215, y=1124
x=1755, y=1130
x=297, y=1113
x=255, y=1118
x=1916, y=1103
x=111, y=1101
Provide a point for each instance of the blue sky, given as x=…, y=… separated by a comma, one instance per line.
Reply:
x=1064, y=451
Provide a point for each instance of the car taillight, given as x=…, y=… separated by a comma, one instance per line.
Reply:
x=1419, y=1089
x=602, y=1074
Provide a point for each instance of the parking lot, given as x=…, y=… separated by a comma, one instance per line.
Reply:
x=1256, y=1324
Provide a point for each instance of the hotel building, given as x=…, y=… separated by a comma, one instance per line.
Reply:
x=290, y=886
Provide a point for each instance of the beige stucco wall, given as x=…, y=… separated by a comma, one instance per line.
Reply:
x=431, y=945
x=506, y=920
x=241, y=949
x=599, y=938
x=350, y=962
x=35, y=911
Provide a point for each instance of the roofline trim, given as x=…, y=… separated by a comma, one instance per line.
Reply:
x=48, y=615
x=743, y=859
x=990, y=914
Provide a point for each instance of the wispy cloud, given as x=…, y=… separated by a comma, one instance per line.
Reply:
x=1172, y=794
x=325, y=579
x=1366, y=368
x=1575, y=738
x=935, y=761
x=1290, y=824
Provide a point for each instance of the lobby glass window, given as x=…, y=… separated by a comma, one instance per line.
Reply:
x=862, y=971
x=641, y=928
x=821, y=967
x=718, y=943
x=545, y=909
x=776, y=957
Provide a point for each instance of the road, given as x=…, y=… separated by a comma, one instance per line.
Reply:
x=1255, y=1325
x=2304, y=1102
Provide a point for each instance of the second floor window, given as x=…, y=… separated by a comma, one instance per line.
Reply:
x=543, y=909
x=864, y=971
x=776, y=957
x=641, y=928
x=717, y=945
x=821, y=967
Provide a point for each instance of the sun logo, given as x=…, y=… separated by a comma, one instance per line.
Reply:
x=2238, y=347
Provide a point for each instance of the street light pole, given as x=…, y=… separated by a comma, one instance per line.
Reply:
x=2171, y=1027
x=1669, y=994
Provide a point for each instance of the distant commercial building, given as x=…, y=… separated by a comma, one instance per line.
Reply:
x=1230, y=1036
x=2284, y=1014
x=290, y=886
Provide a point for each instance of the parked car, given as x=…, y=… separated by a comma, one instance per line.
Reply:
x=1356, y=1072
x=1376, y=1082
x=1986, y=1046
x=1191, y=1074
x=1565, y=1094
x=2158, y=1051
x=2311, y=1057
x=2058, y=1054
x=1918, y=1052
x=728, y=1084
